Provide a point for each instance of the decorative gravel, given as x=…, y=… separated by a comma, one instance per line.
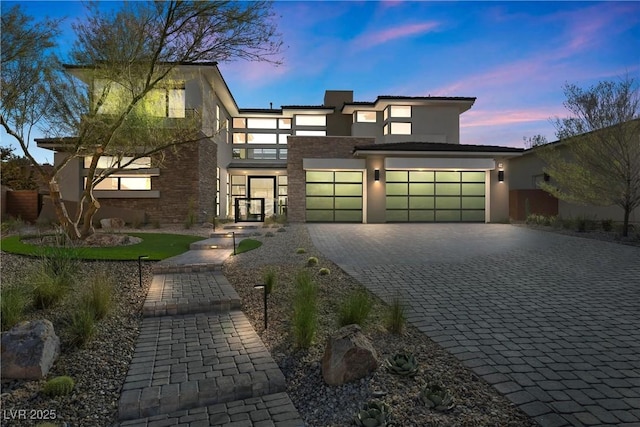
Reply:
x=98, y=369
x=477, y=403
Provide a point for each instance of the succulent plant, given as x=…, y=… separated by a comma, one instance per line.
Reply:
x=281, y=230
x=312, y=261
x=58, y=386
x=373, y=414
x=324, y=271
x=436, y=397
x=268, y=234
x=403, y=364
x=301, y=250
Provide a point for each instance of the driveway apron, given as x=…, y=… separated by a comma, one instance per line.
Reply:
x=551, y=321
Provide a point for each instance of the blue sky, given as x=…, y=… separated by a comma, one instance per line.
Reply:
x=513, y=56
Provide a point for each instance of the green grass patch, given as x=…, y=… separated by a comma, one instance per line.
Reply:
x=355, y=309
x=247, y=245
x=157, y=246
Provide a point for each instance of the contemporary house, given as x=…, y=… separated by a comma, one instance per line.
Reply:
x=391, y=159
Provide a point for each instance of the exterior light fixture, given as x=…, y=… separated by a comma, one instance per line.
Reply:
x=140, y=258
x=376, y=175
x=501, y=176
x=265, y=302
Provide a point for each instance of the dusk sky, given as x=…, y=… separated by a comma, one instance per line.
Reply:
x=513, y=56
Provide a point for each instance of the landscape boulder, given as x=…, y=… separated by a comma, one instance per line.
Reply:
x=348, y=356
x=29, y=349
x=112, y=223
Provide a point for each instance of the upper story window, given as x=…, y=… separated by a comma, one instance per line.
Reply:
x=397, y=111
x=311, y=120
x=397, y=128
x=166, y=102
x=300, y=132
x=239, y=123
x=258, y=123
x=284, y=123
x=365, y=116
x=218, y=117
x=109, y=162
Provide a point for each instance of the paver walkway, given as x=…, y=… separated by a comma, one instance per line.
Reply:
x=551, y=321
x=198, y=360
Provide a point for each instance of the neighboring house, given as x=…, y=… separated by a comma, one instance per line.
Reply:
x=394, y=159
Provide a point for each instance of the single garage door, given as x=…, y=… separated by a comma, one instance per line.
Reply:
x=435, y=196
x=333, y=196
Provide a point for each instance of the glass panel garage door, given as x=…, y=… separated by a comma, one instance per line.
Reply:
x=334, y=196
x=435, y=196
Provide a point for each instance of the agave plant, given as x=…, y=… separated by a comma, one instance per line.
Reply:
x=403, y=364
x=437, y=398
x=373, y=414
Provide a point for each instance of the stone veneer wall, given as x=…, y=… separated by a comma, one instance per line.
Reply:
x=316, y=147
x=207, y=162
x=178, y=186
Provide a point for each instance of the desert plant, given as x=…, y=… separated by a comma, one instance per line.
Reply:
x=82, y=325
x=301, y=251
x=191, y=214
x=606, y=224
x=324, y=271
x=269, y=234
x=13, y=302
x=311, y=261
x=403, y=364
x=58, y=386
x=49, y=284
x=304, y=321
x=355, y=309
x=270, y=279
x=281, y=230
x=373, y=414
x=396, y=318
x=436, y=397
x=12, y=225
x=97, y=296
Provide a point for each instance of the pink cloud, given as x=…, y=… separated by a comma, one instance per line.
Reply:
x=481, y=118
x=375, y=38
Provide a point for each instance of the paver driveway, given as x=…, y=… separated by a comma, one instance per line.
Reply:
x=552, y=321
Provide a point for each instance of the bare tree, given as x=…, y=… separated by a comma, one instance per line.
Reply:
x=121, y=59
x=534, y=141
x=597, y=158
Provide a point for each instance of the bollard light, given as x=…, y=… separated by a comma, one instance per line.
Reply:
x=140, y=258
x=265, y=302
x=233, y=234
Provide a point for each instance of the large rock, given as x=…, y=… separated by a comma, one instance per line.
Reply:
x=29, y=349
x=112, y=223
x=348, y=356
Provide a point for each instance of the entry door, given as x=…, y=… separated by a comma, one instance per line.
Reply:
x=264, y=187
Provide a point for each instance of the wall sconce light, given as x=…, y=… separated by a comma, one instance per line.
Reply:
x=265, y=302
x=376, y=175
x=501, y=176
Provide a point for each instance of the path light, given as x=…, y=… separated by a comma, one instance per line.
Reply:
x=265, y=302
x=233, y=234
x=140, y=258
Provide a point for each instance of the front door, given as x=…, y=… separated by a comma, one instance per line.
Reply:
x=264, y=187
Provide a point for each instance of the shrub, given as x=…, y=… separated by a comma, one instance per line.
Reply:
x=82, y=325
x=12, y=305
x=58, y=386
x=12, y=225
x=311, y=261
x=324, y=271
x=191, y=214
x=581, y=225
x=606, y=224
x=48, y=288
x=301, y=250
x=304, y=321
x=396, y=317
x=270, y=279
x=97, y=296
x=281, y=230
x=355, y=309
x=269, y=234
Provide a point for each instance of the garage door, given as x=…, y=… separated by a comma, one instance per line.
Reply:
x=435, y=196
x=333, y=196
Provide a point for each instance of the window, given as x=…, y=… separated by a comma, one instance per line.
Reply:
x=217, y=117
x=282, y=154
x=123, y=182
x=399, y=111
x=365, y=116
x=284, y=123
x=217, y=191
x=262, y=138
x=239, y=123
x=110, y=162
x=311, y=120
x=239, y=138
x=400, y=128
x=239, y=153
x=166, y=102
x=262, y=123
